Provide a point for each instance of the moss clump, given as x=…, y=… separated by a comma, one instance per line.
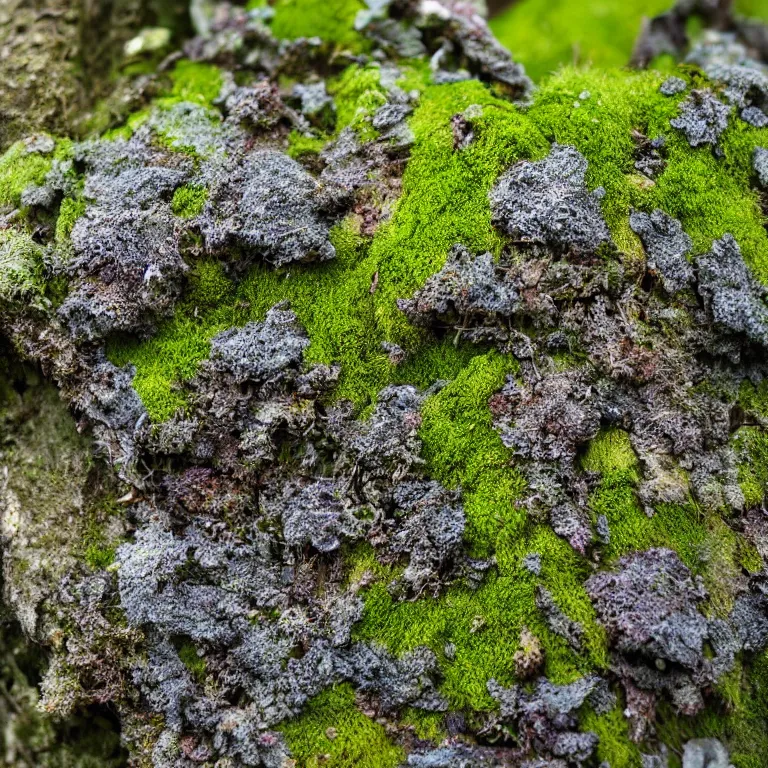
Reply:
x=751, y=444
x=192, y=661
x=705, y=543
x=333, y=21
x=462, y=449
x=333, y=733
x=20, y=266
x=710, y=196
x=194, y=81
x=20, y=169
x=188, y=200
x=70, y=211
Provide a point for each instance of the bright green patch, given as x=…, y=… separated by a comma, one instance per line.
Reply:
x=710, y=196
x=20, y=265
x=546, y=34
x=331, y=20
x=99, y=557
x=192, y=661
x=333, y=733
x=614, y=747
x=20, y=169
x=348, y=305
x=188, y=200
x=702, y=540
x=70, y=211
x=300, y=145
x=196, y=82
x=751, y=444
x=483, y=626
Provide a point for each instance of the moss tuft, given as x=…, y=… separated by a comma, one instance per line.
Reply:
x=333, y=733
x=20, y=169
x=188, y=200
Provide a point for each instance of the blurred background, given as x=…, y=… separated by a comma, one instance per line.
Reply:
x=597, y=32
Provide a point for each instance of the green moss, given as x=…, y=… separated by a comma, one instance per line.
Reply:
x=462, y=449
x=192, y=661
x=300, y=145
x=333, y=733
x=429, y=726
x=358, y=93
x=614, y=747
x=20, y=266
x=188, y=200
x=711, y=196
x=444, y=201
x=20, y=169
x=196, y=82
x=331, y=20
x=70, y=211
x=99, y=557
x=545, y=34
x=702, y=539
x=611, y=451
x=739, y=722
x=751, y=445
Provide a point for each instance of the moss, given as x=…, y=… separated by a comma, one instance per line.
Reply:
x=739, y=722
x=429, y=726
x=545, y=35
x=20, y=266
x=462, y=449
x=702, y=539
x=614, y=747
x=300, y=145
x=357, y=94
x=20, y=169
x=192, y=660
x=99, y=557
x=70, y=210
x=333, y=733
x=196, y=82
x=751, y=445
x=711, y=196
x=611, y=451
x=331, y=20
x=188, y=200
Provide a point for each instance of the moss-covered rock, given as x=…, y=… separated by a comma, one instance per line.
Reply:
x=437, y=400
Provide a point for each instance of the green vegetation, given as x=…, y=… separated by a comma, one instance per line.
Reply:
x=333, y=21
x=192, y=661
x=333, y=733
x=547, y=34
x=188, y=201
x=19, y=169
x=196, y=82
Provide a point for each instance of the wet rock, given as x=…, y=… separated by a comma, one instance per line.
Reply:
x=547, y=202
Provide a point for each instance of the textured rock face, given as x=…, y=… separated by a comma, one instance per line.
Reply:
x=363, y=404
